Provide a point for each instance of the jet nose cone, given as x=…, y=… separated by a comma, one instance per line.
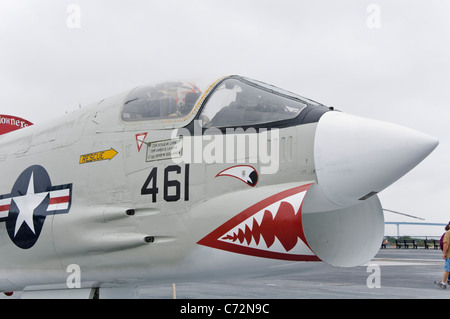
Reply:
x=357, y=157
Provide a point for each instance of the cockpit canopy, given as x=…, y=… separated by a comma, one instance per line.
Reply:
x=163, y=101
x=242, y=102
x=231, y=102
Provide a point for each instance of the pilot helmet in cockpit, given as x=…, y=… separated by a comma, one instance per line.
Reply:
x=187, y=94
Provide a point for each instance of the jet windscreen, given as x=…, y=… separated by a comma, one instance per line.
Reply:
x=239, y=102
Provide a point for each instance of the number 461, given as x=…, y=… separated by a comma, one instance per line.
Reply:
x=172, y=187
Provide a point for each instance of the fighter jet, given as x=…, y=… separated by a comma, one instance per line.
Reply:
x=192, y=180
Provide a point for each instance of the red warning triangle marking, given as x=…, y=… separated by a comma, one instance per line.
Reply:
x=140, y=140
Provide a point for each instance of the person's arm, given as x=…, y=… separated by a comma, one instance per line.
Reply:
x=444, y=249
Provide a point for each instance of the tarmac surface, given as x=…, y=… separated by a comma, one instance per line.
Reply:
x=392, y=274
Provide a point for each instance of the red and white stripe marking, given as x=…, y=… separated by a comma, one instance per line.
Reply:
x=4, y=207
x=59, y=201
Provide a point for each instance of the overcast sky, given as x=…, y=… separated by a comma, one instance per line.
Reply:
x=388, y=60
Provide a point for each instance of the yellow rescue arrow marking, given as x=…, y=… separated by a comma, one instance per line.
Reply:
x=98, y=156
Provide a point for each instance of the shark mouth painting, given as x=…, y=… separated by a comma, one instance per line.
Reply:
x=271, y=228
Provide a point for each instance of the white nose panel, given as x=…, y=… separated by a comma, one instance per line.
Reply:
x=357, y=157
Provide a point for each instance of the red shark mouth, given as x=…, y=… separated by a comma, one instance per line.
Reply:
x=271, y=228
